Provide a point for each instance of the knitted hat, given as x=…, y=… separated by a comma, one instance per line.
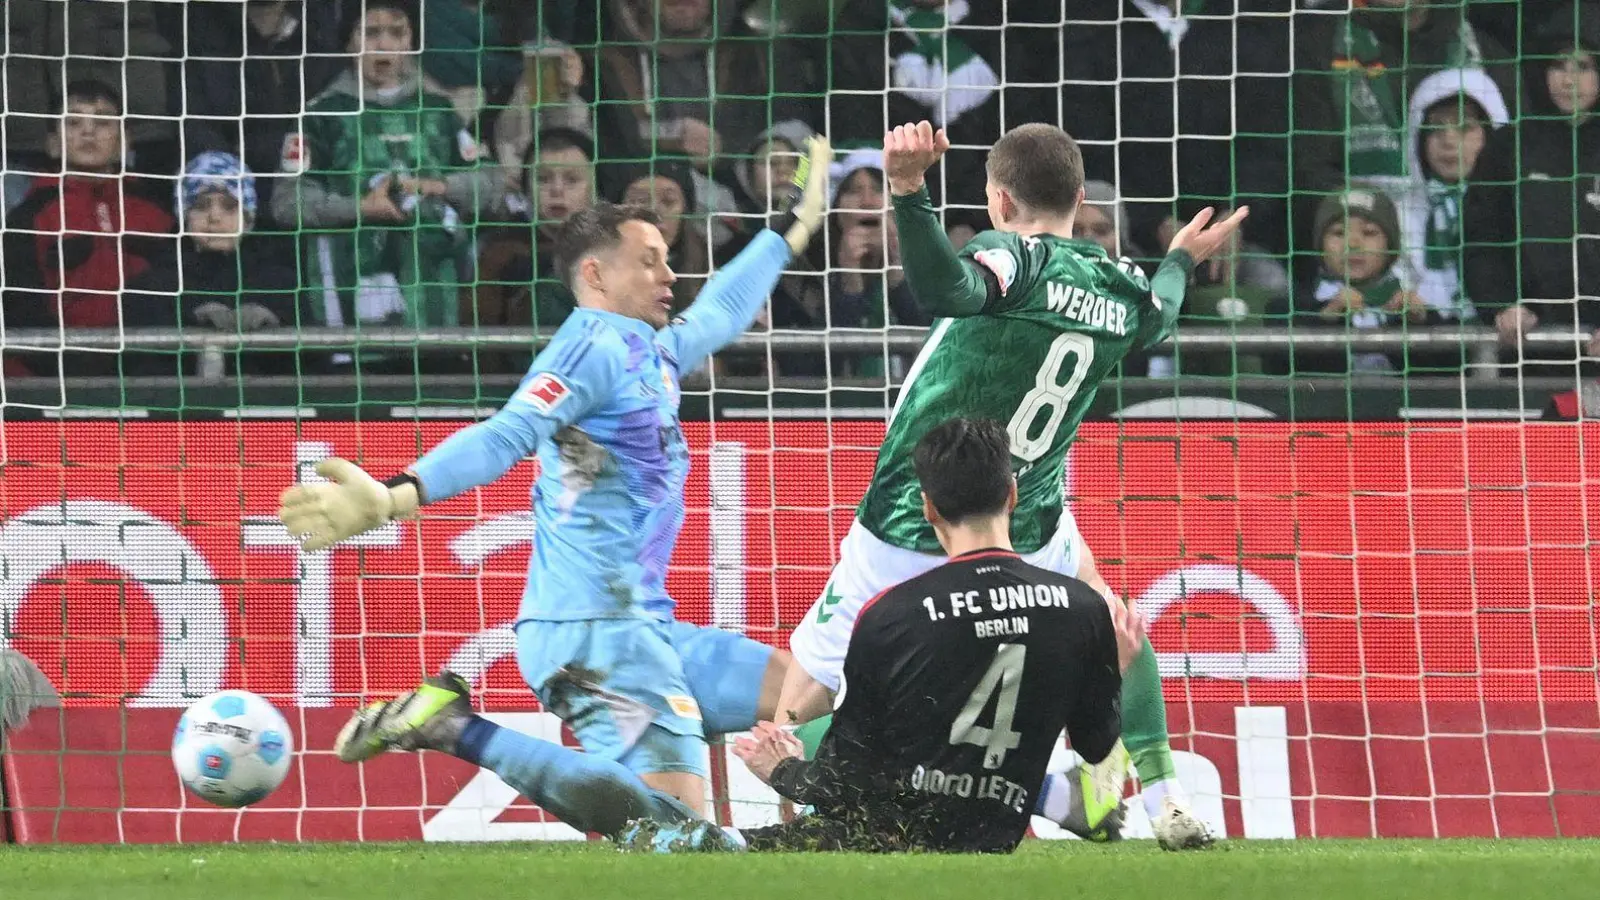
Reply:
x=217, y=171
x=1372, y=205
x=851, y=163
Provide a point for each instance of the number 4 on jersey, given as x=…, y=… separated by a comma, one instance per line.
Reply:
x=1005, y=676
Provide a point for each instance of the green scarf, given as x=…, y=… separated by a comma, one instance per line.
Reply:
x=1374, y=97
x=1441, y=233
x=927, y=30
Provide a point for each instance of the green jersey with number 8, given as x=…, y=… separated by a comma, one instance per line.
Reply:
x=1061, y=315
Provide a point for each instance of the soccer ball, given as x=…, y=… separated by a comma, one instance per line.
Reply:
x=232, y=748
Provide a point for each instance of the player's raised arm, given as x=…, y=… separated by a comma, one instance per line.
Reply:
x=734, y=296
x=944, y=285
x=1194, y=243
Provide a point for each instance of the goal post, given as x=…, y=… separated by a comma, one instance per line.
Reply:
x=1371, y=590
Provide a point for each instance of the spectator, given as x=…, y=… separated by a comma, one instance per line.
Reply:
x=560, y=104
x=1533, y=207
x=517, y=285
x=387, y=182
x=79, y=237
x=1358, y=285
x=1452, y=113
x=940, y=62
x=1104, y=219
x=1180, y=104
x=769, y=160
x=866, y=288
x=682, y=78
x=1354, y=87
x=248, y=71
x=668, y=188
x=225, y=279
x=49, y=42
x=465, y=52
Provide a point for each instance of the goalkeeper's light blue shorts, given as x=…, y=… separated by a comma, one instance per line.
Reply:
x=644, y=693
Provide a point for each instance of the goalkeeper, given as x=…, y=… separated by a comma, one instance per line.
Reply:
x=596, y=637
x=1030, y=322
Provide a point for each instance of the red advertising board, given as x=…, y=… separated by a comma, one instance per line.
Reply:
x=1412, y=606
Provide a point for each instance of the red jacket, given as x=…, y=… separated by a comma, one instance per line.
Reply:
x=92, y=236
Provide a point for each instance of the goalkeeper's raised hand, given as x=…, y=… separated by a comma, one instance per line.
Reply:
x=350, y=502
x=805, y=200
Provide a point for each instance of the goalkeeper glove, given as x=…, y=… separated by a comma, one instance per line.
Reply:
x=806, y=199
x=321, y=515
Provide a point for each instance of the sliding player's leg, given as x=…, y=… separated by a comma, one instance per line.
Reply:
x=587, y=791
x=867, y=567
x=620, y=685
x=1144, y=724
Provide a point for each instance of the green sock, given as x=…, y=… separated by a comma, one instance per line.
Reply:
x=1144, y=719
x=811, y=734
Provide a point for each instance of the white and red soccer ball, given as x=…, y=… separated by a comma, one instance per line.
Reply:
x=232, y=748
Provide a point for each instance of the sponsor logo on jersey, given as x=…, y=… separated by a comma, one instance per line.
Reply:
x=546, y=392
x=684, y=706
x=999, y=261
x=293, y=158
x=666, y=379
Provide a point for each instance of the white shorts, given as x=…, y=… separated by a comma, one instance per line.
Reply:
x=867, y=567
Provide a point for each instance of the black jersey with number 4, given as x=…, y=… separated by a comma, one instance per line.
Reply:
x=957, y=686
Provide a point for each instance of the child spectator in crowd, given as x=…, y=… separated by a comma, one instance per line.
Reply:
x=517, y=284
x=225, y=280
x=1358, y=284
x=78, y=238
x=1531, y=259
x=387, y=185
x=1452, y=113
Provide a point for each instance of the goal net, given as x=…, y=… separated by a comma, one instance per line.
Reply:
x=1367, y=555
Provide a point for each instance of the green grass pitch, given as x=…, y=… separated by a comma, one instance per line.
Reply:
x=1242, y=870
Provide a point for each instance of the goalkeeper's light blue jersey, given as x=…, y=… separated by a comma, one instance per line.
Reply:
x=600, y=407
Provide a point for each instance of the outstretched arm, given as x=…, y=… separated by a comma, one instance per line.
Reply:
x=548, y=400
x=1194, y=243
x=573, y=376
x=729, y=302
x=733, y=297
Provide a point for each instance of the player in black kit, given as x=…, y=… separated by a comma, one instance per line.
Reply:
x=956, y=686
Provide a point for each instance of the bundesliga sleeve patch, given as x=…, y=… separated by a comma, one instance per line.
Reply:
x=546, y=392
x=999, y=261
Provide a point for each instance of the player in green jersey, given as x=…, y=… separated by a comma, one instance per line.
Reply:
x=1030, y=322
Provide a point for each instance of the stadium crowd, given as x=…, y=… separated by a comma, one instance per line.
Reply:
x=275, y=164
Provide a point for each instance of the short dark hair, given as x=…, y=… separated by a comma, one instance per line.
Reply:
x=90, y=90
x=354, y=17
x=1040, y=165
x=549, y=140
x=965, y=468
x=594, y=229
